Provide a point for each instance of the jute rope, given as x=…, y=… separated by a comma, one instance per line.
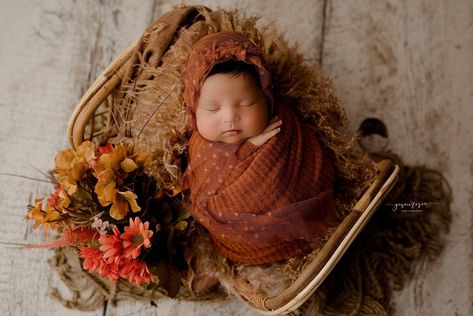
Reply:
x=90, y=292
x=383, y=257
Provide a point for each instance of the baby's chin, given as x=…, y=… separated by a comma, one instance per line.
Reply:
x=230, y=140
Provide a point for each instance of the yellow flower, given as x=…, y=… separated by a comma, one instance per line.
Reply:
x=67, y=183
x=71, y=165
x=37, y=214
x=51, y=216
x=86, y=150
x=65, y=201
x=106, y=176
x=128, y=165
x=106, y=192
x=131, y=198
x=142, y=157
x=121, y=204
x=64, y=158
x=46, y=218
x=111, y=160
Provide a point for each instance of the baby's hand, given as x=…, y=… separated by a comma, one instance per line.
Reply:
x=271, y=130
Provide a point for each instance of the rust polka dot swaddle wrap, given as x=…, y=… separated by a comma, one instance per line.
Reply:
x=263, y=204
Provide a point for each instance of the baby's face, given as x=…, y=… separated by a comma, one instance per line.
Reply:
x=231, y=109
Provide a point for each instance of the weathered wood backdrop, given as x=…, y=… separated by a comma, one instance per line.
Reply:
x=409, y=63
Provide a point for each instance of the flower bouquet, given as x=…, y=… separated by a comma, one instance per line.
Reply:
x=122, y=223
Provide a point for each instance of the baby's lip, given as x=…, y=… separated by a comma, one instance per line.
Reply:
x=231, y=132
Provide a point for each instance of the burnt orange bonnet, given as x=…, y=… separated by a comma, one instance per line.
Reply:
x=218, y=48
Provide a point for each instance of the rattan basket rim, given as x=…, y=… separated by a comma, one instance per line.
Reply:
x=316, y=271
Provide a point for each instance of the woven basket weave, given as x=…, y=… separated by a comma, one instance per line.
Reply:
x=91, y=119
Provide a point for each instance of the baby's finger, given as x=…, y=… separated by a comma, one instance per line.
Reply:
x=272, y=126
x=272, y=133
x=264, y=137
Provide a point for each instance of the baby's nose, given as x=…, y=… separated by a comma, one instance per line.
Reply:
x=231, y=115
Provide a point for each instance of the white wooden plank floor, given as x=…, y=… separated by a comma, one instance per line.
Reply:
x=409, y=63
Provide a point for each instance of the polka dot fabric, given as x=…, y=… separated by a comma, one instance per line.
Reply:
x=263, y=204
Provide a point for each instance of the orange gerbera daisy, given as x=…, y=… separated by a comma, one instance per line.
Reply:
x=110, y=270
x=95, y=261
x=93, y=258
x=135, y=236
x=111, y=245
x=136, y=271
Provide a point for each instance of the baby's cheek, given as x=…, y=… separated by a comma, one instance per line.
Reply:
x=208, y=129
x=258, y=124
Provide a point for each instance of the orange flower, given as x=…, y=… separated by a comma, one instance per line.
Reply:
x=121, y=204
x=110, y=270
x=135, y=271
x=113, y=159
x=111, y=245
x=37, y=214
x=59, y=199
x=110, y=168
x=135, y=236
x=71, y=165
x=52, y=216
x=94, y=260
x=46, y=218
x=105, y=149
x=105, y=187
x=128, y=165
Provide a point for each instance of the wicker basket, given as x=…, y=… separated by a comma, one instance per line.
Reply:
x=89, y=121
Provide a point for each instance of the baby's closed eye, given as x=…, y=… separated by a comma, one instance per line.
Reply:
x=211, y=108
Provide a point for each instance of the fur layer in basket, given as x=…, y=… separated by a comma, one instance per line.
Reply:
x=140, y=94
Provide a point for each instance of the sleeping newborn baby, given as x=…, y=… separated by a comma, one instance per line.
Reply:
x=259, y=181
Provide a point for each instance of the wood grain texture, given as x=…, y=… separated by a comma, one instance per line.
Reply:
x=410, y=64
x=407, y=63
x=50, y=53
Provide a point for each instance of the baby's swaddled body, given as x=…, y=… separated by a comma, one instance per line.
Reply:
x=261, y=198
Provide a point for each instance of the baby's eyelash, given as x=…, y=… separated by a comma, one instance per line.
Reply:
x=213, y=110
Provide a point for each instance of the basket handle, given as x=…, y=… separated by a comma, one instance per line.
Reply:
x=168, y=25
x=95, y=96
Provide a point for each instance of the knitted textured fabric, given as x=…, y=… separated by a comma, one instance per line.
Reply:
x=245, y=195
x=262, y=204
